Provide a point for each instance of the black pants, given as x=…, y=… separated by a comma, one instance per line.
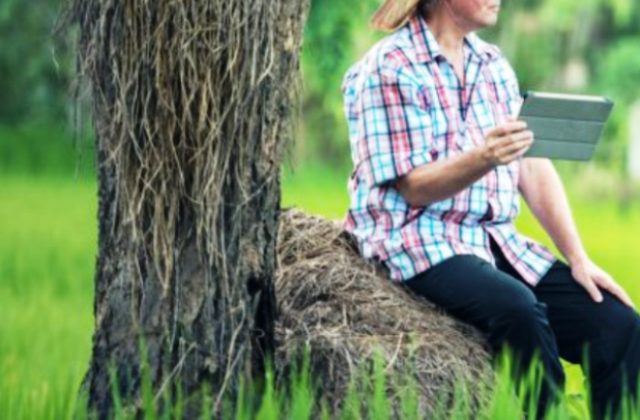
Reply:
x=556, y=318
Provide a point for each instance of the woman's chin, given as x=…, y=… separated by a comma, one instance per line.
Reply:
x=489, y=20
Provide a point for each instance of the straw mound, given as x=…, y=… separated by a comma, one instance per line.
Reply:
x=345, y=309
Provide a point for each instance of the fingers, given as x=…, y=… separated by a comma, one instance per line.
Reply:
x=507, y=128
x=592, y=289
x=619, y=292
x=512, y=146
x=614, y=288
x=520, y=152
x=514, y=142
x=507, y=142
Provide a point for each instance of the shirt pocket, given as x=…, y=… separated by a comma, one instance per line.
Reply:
x=442, y=127
x=503, y=102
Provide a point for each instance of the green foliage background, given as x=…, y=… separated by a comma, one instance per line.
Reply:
x=48, y=195
x=542, y=38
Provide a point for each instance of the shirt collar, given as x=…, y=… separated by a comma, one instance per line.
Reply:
x=427, y=46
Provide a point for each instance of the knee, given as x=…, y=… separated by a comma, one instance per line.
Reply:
x=616, y=323
x=521, y=309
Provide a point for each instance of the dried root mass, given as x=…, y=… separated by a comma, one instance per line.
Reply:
x=346, y=310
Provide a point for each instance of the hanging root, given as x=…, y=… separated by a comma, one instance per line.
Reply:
x=188, y=106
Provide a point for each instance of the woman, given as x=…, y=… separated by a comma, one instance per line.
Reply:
x=435, y=191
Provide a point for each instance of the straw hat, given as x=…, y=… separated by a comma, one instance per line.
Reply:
x=394, y=13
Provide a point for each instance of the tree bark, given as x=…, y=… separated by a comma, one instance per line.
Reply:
x=192, y=103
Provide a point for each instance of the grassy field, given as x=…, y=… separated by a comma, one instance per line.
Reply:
x=47, y=255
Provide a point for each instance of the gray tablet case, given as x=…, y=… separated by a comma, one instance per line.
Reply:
x=565, y=127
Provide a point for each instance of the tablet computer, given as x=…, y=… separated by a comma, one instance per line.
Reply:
x=566, y=127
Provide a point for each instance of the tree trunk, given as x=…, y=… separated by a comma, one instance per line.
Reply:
x=192, y=105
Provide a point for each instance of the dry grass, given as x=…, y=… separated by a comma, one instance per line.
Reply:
x=346, y=310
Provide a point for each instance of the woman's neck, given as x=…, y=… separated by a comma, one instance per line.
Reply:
x=448, y=30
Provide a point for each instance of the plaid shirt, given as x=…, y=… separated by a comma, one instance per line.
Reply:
x=405, y=108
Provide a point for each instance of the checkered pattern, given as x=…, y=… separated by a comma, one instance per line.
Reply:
x=405, y=108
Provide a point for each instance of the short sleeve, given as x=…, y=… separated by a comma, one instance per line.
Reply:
x=391, y=130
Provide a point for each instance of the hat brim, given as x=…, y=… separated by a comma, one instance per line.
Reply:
x=393, y=13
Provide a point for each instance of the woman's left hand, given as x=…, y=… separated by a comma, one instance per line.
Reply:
x=593, y=278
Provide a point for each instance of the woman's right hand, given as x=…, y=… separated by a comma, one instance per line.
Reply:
x=506, y=143
x=442, y=179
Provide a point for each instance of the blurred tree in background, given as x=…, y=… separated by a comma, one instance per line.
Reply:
x=33, y=81
x=337, y=34
x=581, y=46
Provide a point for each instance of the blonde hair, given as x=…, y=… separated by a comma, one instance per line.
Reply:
x=395, y=13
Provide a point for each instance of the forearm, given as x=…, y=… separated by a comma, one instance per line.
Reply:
x=542, y=189
x=443, y=179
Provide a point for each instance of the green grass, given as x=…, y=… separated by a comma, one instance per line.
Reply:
x=46, y=270
x=47, y=256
